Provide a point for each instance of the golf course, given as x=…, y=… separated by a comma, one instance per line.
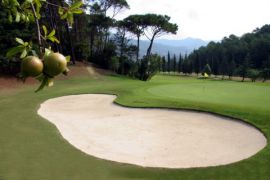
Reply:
x=134, y=90
x=33, y=148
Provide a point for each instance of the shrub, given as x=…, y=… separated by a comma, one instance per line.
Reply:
x=148, y=67
x=265, y=74
x=114, y=63
x=253, y=74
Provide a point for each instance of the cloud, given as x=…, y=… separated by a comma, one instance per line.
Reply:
x=193, y=15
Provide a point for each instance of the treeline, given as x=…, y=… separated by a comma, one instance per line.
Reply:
x=90, y=37
x=245, y=56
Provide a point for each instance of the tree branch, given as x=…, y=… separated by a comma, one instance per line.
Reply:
x=53, y=4
x=38, y=27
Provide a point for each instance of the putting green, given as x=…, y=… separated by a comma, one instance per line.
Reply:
x=244, y=95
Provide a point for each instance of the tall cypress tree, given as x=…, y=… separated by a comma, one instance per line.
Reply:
x=231, y=68
x=174, y=63
x=169, y=62
x=180, y=62
x=197, y=65
x=164, y=64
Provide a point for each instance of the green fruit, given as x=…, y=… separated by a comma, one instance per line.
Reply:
x=54, y=64
x=31, y=66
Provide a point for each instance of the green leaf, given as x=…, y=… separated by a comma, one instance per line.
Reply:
x=68, y=58
x=18, y=17
x=51, y=39
x=27, y=19
x=47, y=52
x=40, y=77
x=56, y=40
x=23, y=17
x=60, y=11
x=52, y=33
x=64, y=16
x=20, y=41
x=15, y=50
x=15, y=2
x=77, y=11
x=50, y=82
x=44, y=82
x=45, y=30
x=24, y=54
x=76, y=5
x=10, y=18
x=70, y=18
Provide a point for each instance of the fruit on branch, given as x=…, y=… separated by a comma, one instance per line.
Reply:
x=54, y=64
x=31, y=66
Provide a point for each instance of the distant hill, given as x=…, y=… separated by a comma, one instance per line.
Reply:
x=162, y=46
x=191, y=43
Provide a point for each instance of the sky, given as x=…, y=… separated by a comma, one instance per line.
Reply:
x=206, y=19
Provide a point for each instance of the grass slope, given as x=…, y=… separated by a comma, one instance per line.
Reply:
x=31, y=148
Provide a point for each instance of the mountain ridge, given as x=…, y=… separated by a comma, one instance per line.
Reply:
x=163, y=46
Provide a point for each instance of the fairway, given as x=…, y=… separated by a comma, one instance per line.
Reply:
x=32, y=148
x=234, y=94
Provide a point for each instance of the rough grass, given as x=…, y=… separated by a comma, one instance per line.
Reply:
x=32, y=149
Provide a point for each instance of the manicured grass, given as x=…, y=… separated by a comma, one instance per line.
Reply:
x=32, y=149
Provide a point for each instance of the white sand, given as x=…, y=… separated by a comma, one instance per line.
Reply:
x=150, y=137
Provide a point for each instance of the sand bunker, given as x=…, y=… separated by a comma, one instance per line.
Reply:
x=150, y=137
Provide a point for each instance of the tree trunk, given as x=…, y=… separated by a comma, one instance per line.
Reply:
x=38, y=27
x=138, y=47
x=122, y=44
x=70, y=44
x=91, y=43
x=150, y=46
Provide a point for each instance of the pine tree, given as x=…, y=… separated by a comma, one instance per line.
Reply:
x=243, y=69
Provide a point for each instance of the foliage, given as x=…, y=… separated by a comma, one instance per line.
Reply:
x=31, y=11
x=23, y=49
x=89, y=36
x=157, y=25
x=235, y=55
x=253, y=74
x=114, y=63
x=148, y=67
x=265, y=74
x=8, y=32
